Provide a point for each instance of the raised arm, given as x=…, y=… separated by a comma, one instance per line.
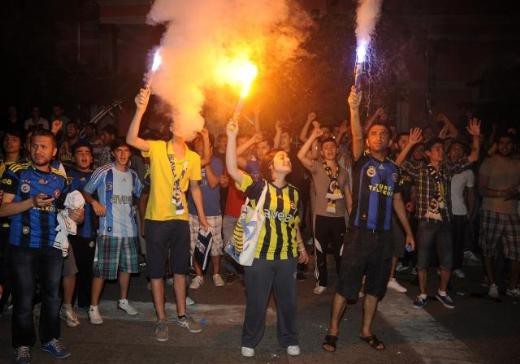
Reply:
x=249, y=143
x=303, y=133
x=415, y=137
x=231, y=152
x=473, y=129
x=278, y=134
x=132, y=135
x=354, y=100
x=303, y=152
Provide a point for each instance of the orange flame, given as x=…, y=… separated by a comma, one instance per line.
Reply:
x=240, y=72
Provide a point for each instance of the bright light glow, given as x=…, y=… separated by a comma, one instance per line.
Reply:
x=157, y=60
x=361, y=51
x=239, y=72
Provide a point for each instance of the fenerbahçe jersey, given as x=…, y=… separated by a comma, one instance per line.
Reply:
x=277, y=239
x=374, y=183
x=36, y=227
x=116, y=190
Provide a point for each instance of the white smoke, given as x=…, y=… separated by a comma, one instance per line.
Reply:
x=367, y=15
x=201, y=34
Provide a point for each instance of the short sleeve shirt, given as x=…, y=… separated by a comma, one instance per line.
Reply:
x=36, y=227
x=374, y=183
x=278, y=237
x=160, y=206
x=116, y=190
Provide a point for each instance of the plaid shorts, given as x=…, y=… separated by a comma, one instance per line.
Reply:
x=495, y=226
x=215, y=226
x=115, y=254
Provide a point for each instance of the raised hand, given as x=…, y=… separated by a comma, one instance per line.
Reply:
x=354, y=98
x=311, y=116
x=473, y=127
x=415, y=136
x=232, y=129
x=142, y=98
x=316, y=133
x=56, y=126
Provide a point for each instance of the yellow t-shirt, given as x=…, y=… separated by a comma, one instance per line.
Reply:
x=160, y=206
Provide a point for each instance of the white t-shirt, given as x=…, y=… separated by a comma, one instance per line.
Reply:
x=460, y=181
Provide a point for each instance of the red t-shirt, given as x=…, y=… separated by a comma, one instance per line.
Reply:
x=235, y=200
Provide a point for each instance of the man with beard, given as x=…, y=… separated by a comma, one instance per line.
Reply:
x=499, y=182
x=368, y=242
x=33, y=192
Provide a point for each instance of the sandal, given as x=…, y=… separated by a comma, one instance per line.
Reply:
x=374, y=342
x=330, y=343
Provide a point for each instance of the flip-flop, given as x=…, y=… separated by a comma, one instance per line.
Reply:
x=374, y=342
x=330, y=343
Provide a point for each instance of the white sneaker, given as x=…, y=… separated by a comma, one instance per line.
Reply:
x=471, y=259
x=394, y=285
x=68, y=315
x=94, y=315
x=189, y=301
x=196, y=282
x=515, y=292
x=293, y=350
x=125, y=306
x=169, y=281
x=493, y=291
x=247, y=352
x=218, y=281
x=459, y=273
x=319, y=289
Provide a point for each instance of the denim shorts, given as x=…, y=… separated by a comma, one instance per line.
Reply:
x=434, y=238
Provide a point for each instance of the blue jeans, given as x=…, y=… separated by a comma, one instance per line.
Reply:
x=28, y=264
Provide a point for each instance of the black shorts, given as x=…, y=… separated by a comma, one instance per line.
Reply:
x=167, y=239
x=365, y=253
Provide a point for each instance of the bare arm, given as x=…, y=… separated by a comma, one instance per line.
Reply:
x=132, y=135
x=199, y=205
x=98, y=208
x=303, y=133
x=10, y=208
x=348, y=199
x=354, y=101
x=415, y=137
x=249, y=143
x=470, y=197
x=231, y=152
x=473, y=129
x=401, y=214
x=303, y=152
x=277, y=135
x=206, y=154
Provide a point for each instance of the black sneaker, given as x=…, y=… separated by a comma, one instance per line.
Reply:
x=445, y=300
x=420, y=302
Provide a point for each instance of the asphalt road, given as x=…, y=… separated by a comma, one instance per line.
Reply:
x=478, y=330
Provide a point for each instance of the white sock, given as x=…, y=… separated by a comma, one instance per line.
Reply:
x=442, y=293
x=423, y=296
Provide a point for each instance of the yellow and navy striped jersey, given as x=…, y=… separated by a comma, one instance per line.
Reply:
x=36, y=227
x=278, y=238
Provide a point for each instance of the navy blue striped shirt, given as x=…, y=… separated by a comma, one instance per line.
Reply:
x=36, y=227
x=374, y=183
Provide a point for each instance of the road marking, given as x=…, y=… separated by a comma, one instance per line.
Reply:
x=428, y=338
x=209, y=314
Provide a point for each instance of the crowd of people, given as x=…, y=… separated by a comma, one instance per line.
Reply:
x=378, y=201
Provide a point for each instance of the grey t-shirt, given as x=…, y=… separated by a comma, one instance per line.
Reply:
x=321, y=183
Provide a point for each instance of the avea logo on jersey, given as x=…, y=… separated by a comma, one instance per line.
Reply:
x=281, y=216
x=121, y=200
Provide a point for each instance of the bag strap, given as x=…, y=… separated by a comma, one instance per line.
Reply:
x=261, y=200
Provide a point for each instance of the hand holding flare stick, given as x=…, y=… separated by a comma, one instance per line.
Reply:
x=246, y=74
x=157, y=60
